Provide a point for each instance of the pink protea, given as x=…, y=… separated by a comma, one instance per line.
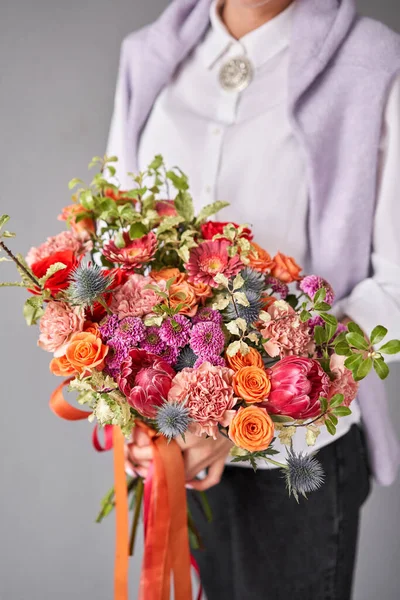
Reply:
x=145, y=380
x=132, y=299
x=207, y=393
x=285, y=333
x=134, y=254
x=343, y=382
x=209, y=259
x=79, y=244
x=297, y=383
x=57, y=325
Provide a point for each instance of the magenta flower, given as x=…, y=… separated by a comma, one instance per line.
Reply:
x=209, y=259
x=207, y=339
x=175, y=331
x=278, y=287
x=170, y=354
x=207, y=314
x=145, y=380
x=152, y=341
x=216, y=361
x=312, y=283
x=297, y=383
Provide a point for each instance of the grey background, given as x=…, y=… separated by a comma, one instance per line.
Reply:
x=58, y=64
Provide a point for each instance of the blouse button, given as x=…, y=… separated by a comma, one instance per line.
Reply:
x=236, y=74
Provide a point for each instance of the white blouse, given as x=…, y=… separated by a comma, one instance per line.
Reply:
x=223, y=140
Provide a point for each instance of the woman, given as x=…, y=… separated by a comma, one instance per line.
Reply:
x=290, y=111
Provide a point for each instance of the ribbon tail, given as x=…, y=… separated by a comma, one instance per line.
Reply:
x=122, y=518
x=62, y=409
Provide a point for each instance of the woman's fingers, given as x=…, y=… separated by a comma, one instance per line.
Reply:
x=141, y=438
x=139, y=454
x=213, y=477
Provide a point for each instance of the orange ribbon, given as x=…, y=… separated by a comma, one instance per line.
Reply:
x=166, y=540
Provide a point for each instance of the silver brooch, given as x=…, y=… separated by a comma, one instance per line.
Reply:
x=236, y=74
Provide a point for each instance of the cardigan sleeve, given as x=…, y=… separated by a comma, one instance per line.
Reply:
x=377, y=299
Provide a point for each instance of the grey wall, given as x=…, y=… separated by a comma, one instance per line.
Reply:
x=58, y=62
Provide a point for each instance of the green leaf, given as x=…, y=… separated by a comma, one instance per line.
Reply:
x=353, y=362
x=292, y=300
x=184, y=206
x=378, y=334
x=381, y=368
x=305, y=316
x=169, y=223
x=342, y=411
x=357, y=340
x=364, y=368
x=206, y=506
x=320, y=295
x=321, y=306
x=33, y=310
x=341, y=337
x=7, y=234
x=12, y=284
x=58, y=266
x=354, y=328
x=3, y=220
x=320, y=335
x=331, y=325
x=156, y=163
x=343, y=349
x=281, y=419
x=180, y=182
x=137, y=230
x=336, y=400
x=324, y=404
x=210, y=210
x=74, y=182
x=392, y=347
x=333, y=419
x=330, y=427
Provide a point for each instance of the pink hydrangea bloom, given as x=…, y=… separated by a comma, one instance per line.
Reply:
x=57, y=325
x=66, y=240
x=285, y=333
x=132, y=299
x=312, y=283
x=343, y=382
x=209, y=259
x=207, y=393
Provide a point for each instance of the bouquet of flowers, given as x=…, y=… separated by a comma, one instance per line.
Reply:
x=163, y=319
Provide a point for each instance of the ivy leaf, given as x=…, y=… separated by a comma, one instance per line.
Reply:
x=58, y=266
x=184, y=253
x=210, y=210
x=363, y=370
x=357, y=340
x=381, y=368
x=33, y=310
x=378, y=334
x=392, y=347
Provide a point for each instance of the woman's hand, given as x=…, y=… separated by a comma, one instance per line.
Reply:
x=138, y=453
x=201, y=453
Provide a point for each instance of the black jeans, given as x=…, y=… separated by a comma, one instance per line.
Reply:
x=262, y=545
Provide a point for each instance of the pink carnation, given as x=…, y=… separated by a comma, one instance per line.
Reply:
x=286, y=335
x=207, y=393
x=132, y=299
x=57, y=325
x=343, y=382
x=66, y=240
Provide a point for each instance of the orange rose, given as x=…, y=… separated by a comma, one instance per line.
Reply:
x=285, y=268
x=86, y=352
x=166, y=274
x=62, y=367
x=259, y=259
x=267, y=301
x=251, y=429
x=183, y=293
x=202, y=291
x=90, y=327
x=252, y=359
x=252, y=384
x=69, y=213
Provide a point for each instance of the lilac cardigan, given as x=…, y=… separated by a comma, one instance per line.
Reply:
x=342, y=67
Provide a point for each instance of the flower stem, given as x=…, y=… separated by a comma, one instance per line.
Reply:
x=136, y=515
x=20, y=265
x=275, y=463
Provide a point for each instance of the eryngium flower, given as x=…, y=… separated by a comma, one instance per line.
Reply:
x=172, y=420
x=249, y=313
x=87, y=284
x=253, y=280
x=304, y=474
x=186, y=359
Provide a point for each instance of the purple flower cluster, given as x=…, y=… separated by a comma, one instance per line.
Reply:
x=152, y=341
x=318, y=321
x=312, y=283
x=216, y=361
x=175, y=331
x=207, y=340
x=207, y=314
x=278, y=287
x=121, y=336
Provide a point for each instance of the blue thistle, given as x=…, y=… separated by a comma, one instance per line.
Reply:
x=88, y=284
x=186, y=359
x=303, y=474
x=253, y=281
x=172, y=420
x=249, y=313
